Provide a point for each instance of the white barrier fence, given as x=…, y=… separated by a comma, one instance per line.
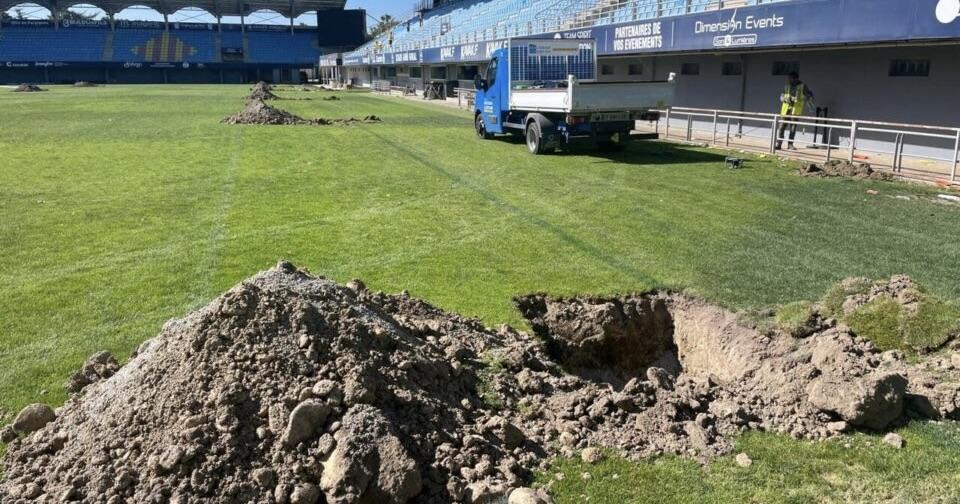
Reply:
x=930, y=153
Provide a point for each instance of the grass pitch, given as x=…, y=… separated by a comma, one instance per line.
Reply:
x=124, y=206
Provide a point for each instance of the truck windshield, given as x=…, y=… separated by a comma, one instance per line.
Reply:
x=537, y=71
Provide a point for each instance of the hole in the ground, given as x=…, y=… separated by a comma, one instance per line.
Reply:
x=611, y=339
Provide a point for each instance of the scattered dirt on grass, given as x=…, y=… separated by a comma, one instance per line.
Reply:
x=258, y=112
x=85, y=84
x=331, y=98
x=842, y=168
x=292, y=388
x=28, y=88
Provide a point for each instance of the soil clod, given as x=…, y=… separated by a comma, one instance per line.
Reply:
x=33, y=418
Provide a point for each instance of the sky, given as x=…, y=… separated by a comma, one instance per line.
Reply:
x=377, y=8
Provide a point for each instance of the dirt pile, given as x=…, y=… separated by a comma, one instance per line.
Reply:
x=258, y=112
x=262, y=91
x=28, y=88
x=85, y=84
x=294, y=389
x=838, y=168
x=331, y=98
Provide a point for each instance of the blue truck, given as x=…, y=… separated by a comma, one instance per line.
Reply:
x=547, y=91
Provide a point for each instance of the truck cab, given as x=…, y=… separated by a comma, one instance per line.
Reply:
x=546, y=90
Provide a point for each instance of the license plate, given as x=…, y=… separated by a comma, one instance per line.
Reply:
x=610, y=116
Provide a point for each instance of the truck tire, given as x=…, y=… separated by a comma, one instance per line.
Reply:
x=481, y=128
x=535, y=141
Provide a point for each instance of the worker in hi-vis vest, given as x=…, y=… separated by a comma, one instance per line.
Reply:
x=793, y=102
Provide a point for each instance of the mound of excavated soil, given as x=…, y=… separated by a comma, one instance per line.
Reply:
x=262, y=91
x=258, y=112
x=85, y=84
x=27, y=88
x=838, y=168
x=291, y=388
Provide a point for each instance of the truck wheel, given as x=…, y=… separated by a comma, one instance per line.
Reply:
x=535, y=139
x=481, y=128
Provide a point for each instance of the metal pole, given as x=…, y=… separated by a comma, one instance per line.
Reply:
x=714, y=127
x=853, y=139
x=667, y=129
x=689, y=127
x=829, y=132
x=773, y=135
x=956, y=158
x=726, y=141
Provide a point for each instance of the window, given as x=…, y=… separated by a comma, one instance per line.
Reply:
x=439, y=73
x=389, y=72
x=416, y=72
x=635, y=69
x=910, y=68
x=785, y=67
x=607, y=70
x=690, y=69
x=492, y=73
x=732, y=68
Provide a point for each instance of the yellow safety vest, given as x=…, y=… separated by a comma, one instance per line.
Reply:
x=793, y=104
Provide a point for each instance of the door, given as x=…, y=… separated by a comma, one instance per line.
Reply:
x=493, y=97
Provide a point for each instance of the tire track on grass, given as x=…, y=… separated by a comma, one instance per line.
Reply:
x=523, y=214
x=207, y=268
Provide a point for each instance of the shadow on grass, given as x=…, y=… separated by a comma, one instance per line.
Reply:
x=638, y=152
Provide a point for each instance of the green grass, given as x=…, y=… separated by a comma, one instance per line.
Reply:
x=879, y=322
x=124, y=206
x=794, y=317
x=857, y=468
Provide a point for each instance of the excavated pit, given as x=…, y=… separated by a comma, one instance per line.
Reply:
x=293, y=389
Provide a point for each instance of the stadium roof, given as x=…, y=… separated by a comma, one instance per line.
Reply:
x=289, y=8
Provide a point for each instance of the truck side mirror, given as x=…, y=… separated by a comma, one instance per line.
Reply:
x=479, y=83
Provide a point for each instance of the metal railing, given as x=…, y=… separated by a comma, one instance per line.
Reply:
x=465, y=97
x=912, y=151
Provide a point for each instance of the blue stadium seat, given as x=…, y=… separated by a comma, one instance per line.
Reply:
x=21, y=43
x=469, y=21
x=155, y=45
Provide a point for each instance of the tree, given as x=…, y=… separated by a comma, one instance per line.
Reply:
x=386, y=23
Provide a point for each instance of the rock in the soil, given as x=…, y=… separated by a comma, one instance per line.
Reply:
x=895, y=440
x=33, y=418
x=743, y=460
x=872, y=401
x=591, y=455
x=7, y=434
x=306, y=493
x=305, y=421
x=526, y=495
x=369, y=464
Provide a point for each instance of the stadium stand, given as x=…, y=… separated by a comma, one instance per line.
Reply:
x=26, y=43
x=63, y=50
x=469, y=21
